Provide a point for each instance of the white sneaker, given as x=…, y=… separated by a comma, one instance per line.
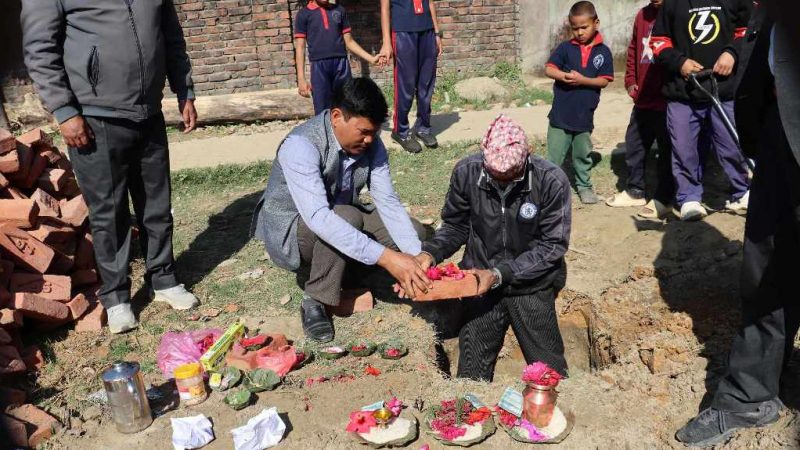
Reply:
x=691, y=211
x=624, y=199
x=739, y=205
x=121, y=319
x=177, y=297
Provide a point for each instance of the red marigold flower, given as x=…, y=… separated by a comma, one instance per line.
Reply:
x=369, y=370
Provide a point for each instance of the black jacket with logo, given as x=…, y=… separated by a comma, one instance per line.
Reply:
x=700, y=30
x=522, y=231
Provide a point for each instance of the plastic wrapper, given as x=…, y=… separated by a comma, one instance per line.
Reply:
x=177, y=348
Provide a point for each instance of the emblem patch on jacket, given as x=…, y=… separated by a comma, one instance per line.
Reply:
x=528, y=211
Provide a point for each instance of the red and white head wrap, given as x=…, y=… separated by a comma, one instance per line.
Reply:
x=505, y=148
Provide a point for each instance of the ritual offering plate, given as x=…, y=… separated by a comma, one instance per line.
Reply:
x=238, y=399
x=393, y=350
x=398, y=432
x=260, y=380
x=556, y=431
x=333, y=352
x=458, y=423
x=361, y=348
x=449, y=282
x=303, y=357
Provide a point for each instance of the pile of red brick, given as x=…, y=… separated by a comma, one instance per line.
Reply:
x=48, y=277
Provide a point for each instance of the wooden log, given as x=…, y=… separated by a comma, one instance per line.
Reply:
x=282, y=104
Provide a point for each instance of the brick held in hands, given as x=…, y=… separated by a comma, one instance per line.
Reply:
x=24, y=249
x=51, y=287
x=7, y=141
x=78, y=306
x=451, y=289
x=10, y=318
x=9, y=162
x=94, y=319
x=75, y=212
x=53, y=180
x=19, y=213
x=40, y=308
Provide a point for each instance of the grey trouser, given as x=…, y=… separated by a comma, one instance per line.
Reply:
x=327, y=265
x=127, y=157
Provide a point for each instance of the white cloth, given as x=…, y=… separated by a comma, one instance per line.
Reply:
x=262, y=431
x=191, y=432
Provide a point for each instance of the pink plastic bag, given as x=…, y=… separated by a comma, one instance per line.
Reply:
x=177, y=348
x=280, y=360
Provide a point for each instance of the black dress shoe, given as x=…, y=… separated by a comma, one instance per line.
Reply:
x=408, y=143
x=316, y=323
x=428, y=139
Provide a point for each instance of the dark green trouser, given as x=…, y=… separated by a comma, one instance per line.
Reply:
x=558, y=143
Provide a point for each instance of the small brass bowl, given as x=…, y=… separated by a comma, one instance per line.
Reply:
x=382, y=417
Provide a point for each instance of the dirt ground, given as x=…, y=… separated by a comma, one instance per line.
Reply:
x=642, y=289
x=664, y=292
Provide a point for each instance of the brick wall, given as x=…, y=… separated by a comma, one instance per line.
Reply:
x=246, y=45
x=242, y=45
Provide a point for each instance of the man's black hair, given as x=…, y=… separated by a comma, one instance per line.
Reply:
x=361, y=97
x=583, y=8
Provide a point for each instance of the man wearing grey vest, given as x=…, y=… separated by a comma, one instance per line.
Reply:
x=310, y=215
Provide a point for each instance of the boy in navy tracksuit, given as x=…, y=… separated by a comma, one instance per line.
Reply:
x=324, y=26
x=580, y=67
x=689, y=36
x=411, y=33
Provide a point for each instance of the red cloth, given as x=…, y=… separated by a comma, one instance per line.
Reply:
x=641, y=69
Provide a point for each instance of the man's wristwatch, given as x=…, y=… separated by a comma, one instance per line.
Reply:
x=439, y=34
x=499, y=280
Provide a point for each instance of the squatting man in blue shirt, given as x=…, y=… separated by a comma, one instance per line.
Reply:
x=310, y=216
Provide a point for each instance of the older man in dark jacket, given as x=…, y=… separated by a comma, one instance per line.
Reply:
x=100, y=67
x=768, y=119
x=512, y=211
